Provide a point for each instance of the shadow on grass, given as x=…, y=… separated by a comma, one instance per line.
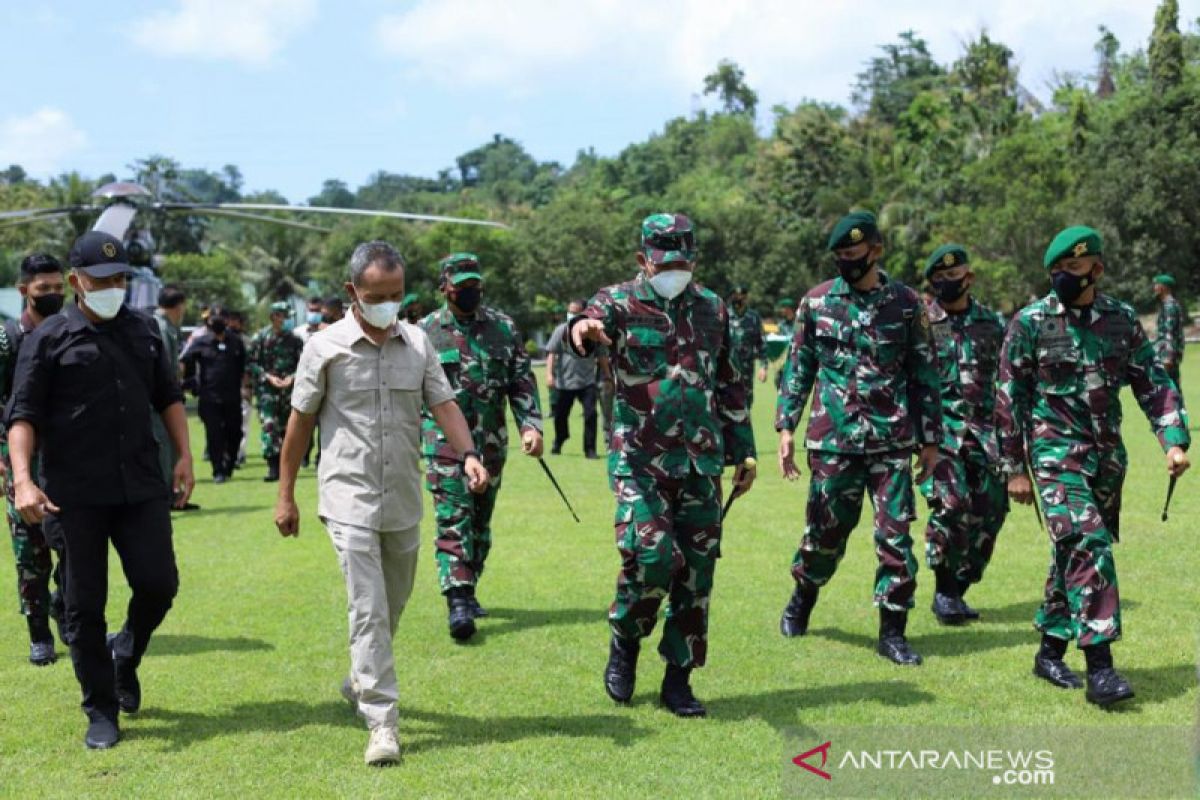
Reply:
x=1025, y=612
x=207, y=510
x=182, y=644
x=420, y=730
x=501, y=621
x=954, y=642
x=779, y=708
x=1159, y=684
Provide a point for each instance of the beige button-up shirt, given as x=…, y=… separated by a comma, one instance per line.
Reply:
x=368, y=400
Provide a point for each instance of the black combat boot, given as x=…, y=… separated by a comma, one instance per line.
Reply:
x=1048, y=664
x=963, y=585
x=477, y=610
x=462, y=621
x=794, y=621
x=102, y=732
x=947, y=606
x=620, y=674
x=1105, y=685
x=41, y=641
x=125, y=680
x=272, y=469
x=892, y=644
x=677, y=695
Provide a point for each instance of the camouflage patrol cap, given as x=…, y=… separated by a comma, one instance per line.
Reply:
x=1073, y=242
x=281, y=307
x=853, y=228
x=668, y=238
x=459, y=267
x=947, y=256
x=1165, y=280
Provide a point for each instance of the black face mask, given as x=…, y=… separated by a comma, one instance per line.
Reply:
x=412, y=315
x=467, y=298
x=47, y=305
x=1069, y=287
x=216, y=325
x=852, y=269
x=948, y=291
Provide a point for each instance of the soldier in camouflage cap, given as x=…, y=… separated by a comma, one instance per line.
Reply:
x=862, y=340
x=1168, y=332
x=1064, y=360
x=746, y=340
x=967, y=497
x=483, y=355
x=271, y=364
x=679, y=418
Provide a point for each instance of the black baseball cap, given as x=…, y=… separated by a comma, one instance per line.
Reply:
x=100, y=255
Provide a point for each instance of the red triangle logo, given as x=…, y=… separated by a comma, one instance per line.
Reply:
x=801, y=761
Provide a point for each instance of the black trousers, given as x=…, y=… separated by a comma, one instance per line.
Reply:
x=222, y=432
x=562, y=415
x=141, y=534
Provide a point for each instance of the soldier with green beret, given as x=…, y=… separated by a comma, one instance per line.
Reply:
x=680, y=418
x=967, y=497
x=862, y=346
x=412, y=308
x=1168, y=332
x=1064, y=360
x=746, y=339
x=483, y=356
x=271, y=364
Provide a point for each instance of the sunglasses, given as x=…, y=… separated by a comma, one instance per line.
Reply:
x=680, y=241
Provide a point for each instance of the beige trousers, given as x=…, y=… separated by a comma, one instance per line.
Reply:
x=379, y=567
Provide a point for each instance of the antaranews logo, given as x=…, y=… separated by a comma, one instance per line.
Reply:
x=802, y=761
x=1024, y=767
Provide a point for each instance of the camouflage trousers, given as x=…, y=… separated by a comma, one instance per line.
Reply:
x=464, y=522
x=968, y=501
x=1173, y=371
x=1082, y=515
x=669, y=536
x=274, y=408
x=835, y=499
x=608, y=393
x=34, y=564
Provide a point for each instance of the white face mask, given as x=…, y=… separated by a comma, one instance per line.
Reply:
x=379, y=315
x=104, y=303
x=671, y=283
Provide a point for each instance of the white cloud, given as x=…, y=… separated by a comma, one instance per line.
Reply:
x=790, y=49
x=40, y=142
x=250, y=32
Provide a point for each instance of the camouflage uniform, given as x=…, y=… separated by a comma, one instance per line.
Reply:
x=746, y=346
x=679, y=417
x=786, y=328
x=1060, y=379
x=871, y=358
x=967, y=495
x=485, y=361
x=275, y=354
x=1168, y=336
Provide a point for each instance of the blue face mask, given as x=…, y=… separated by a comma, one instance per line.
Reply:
x=314, y=318
x=288, y=326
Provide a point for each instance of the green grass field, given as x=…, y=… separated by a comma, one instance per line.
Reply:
x=240, y=684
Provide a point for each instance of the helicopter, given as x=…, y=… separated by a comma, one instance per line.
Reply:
x=120, y=202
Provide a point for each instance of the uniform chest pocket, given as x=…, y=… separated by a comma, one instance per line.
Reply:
x=887, y=344
x=643, y=359
x=361, y=398
x=80, y=357
x=1060, y=371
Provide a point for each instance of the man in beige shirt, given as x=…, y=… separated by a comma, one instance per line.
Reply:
x=365, y=378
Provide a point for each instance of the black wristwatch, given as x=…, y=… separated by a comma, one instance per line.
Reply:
x=478, y=455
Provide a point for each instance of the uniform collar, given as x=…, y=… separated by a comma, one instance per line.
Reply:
x=347, y=331
x=78, y=321
x=644, y=290
x=886, y=285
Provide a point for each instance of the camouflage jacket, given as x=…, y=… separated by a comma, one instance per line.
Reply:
x=680, y=404
x=787, y=328
x=485, y=361
x=1060, y=384
x=272, y=353
x=1168, y=332
x=746, y=341
x=870, y=355
x=968, y=356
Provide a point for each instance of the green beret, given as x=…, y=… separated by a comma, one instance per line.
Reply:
x=852, y=229
x=1165, y=280
x=946, y=257
x=281, y=307
x=409, y=299
x=1076, y=241
x=786, y=302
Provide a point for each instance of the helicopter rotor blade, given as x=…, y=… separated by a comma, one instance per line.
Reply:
x=40, y=218
x=43, y=212
x=362, y=212
x=225, y=212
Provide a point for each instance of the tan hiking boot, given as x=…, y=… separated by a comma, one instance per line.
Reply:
x=383, y=748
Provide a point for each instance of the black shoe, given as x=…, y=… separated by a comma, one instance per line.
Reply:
x=462, y=621
x=556, y=450
x=125, y=680
x=892, y=644
x=1106, y=686
x=272, y=470
x=794, y=621
x=41, y=654
x=1055, y=671
x=677, y=695
x=102, y=733
x=963, y=585
x=218, y=478
x=477, y=611
x=948, y=609
x=620, y=674
x=591, y=455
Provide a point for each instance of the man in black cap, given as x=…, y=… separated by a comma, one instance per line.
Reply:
x=84, y=380
x=212, y=370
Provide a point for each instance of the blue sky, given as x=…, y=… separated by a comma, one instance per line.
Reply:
x=297, y=91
